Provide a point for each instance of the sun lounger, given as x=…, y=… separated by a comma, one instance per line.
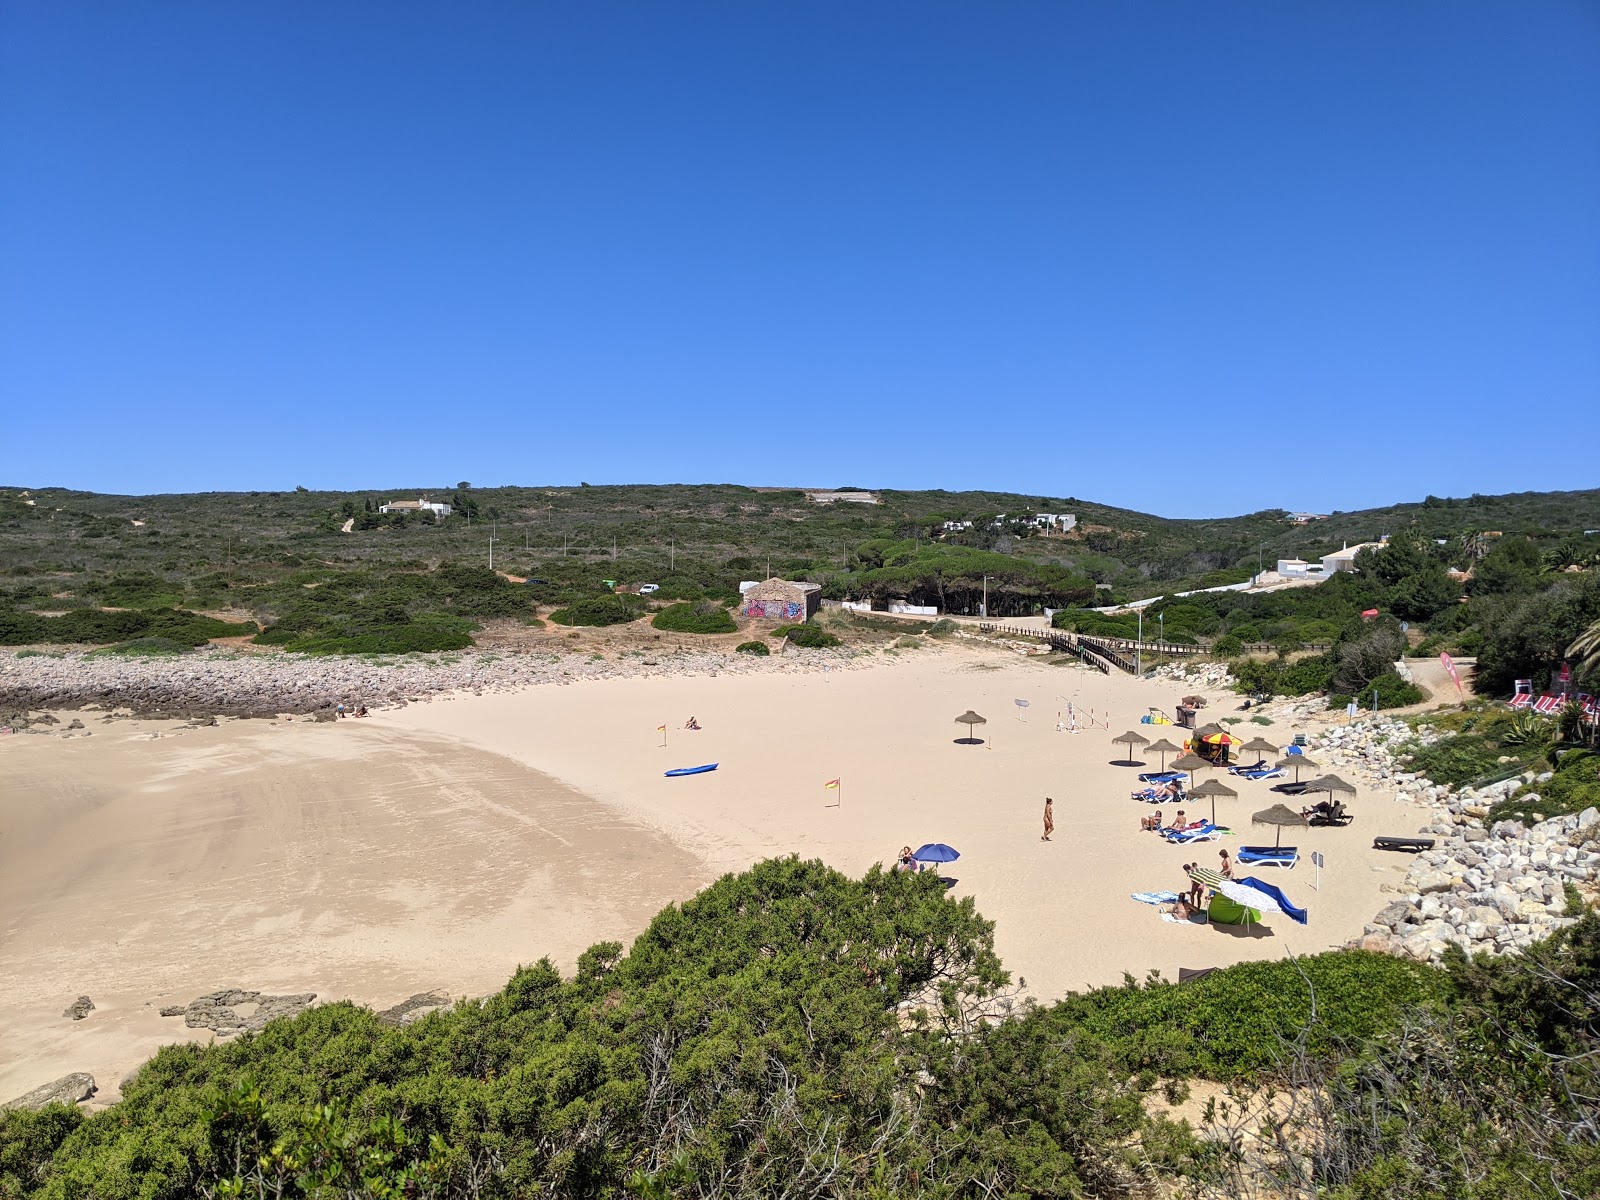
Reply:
x=1410, y=845
x=1150, y=796
x=1241, y=769
x=1292, y=788
x=1521, y=700
x=1160, y=776
x=1336, y=815
x=1268, y=856
x=1183, y=837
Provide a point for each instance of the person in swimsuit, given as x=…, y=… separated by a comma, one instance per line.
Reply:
x=1049, y=819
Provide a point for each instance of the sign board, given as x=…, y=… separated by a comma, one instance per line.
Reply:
x=1317, y=859
x=1351, y=709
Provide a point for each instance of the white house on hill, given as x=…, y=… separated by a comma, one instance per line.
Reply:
x=420, y=505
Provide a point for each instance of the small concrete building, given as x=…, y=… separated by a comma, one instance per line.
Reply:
x=780, y=600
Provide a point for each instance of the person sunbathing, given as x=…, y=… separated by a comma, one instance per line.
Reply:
x=906, y=862
x=691, y=723
x=1179, y=908
x=1153, y=821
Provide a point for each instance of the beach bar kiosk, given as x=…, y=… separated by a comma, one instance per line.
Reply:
x=780, y=600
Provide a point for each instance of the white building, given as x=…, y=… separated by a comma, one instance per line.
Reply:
x=1058, y=521
x=1345, y=560
x=1298, y=568
x=420, y=505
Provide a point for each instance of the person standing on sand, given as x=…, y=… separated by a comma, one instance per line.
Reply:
x=1049, y=819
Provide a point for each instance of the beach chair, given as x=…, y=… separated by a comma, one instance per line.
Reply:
x=1160, y=776
x=1268, y=856
x=1292, y=788
x=1241, y=769
x=1547, y=704
x=1410, y=845
x=1184, y=837
x=1262, y=773
x=1521, y=700
x=1335, y=814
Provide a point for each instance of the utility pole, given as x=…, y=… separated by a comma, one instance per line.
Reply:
x=672, y=554
x=493, y=529
x=983, y=609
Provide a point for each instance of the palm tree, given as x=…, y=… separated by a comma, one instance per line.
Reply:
x=1586, y=648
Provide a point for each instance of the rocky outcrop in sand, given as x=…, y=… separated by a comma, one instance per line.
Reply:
x=79, y=1009
x=69, y=1089
x=219, y=1011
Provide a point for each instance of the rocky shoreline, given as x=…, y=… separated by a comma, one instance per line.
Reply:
x=223, y=683
x=1492, y=888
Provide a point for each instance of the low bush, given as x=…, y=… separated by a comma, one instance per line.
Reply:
x=909, y=643
x=1459, y=760
x=943, y=627
x=808, y=637
x=1390, y=690
x=147, y=647
x=694, y=618
x=387, y=631
x=601, y=610
x=1574, y=787
x=1228, y=646
x=757, y=648
x=95, y=626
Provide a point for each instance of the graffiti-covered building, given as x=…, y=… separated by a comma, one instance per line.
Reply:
x=780, y=600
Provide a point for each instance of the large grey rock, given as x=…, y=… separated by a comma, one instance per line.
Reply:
x=69, y=1089
x=414, y=1008
x=1434, y=881
x=218, y=1011
x=1394, y=914
x=79, y=1009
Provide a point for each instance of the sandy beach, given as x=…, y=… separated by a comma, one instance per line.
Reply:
x=438, y=845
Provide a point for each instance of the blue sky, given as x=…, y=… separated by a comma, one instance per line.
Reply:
x=1121, y=251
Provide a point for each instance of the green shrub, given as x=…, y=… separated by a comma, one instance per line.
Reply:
x=694, y=618
x=909, y=643
x=943, y=627
x=808, y=636
x=758, y=648
x=601, y=610
x=1457, y=761
x=146, y=647
x=387, y=631
x=1228, y=646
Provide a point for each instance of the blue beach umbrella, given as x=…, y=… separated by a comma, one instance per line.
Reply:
x=937, y=852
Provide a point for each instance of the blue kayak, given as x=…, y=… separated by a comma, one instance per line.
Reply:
x=693, y=770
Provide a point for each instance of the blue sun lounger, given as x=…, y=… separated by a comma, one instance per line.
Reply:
x=1205, y=833
x=1240, y=769
x=1268, y=856
x=1161, y=776
x=1262, y=773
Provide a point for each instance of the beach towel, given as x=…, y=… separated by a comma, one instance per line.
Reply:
x=1155, y=897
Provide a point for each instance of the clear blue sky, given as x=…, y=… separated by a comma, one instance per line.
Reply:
x=1119, y=251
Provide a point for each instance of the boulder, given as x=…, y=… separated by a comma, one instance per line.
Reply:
x=69, y=1089
x=1434, y=881
x=79, y=1009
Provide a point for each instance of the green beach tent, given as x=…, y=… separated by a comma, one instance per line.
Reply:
x=1223, y=911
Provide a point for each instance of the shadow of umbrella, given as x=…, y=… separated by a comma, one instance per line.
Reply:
x=970, y=719
x=1212, y=788
x=1163, y=748
x=1280, y=815
x=1133, y=739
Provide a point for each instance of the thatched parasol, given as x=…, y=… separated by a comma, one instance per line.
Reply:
x=1279, y=815
x=1190, y=763
x=1331, y=784
x=1259, y=745
x=1297, y=761
x=1133, y=739
x=971, y=719
x=1163, y=748
x=1211, y=730
x=1214, y=788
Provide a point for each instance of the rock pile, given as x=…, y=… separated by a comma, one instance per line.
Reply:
x=1494, y=889
x=218, y=1011
x=1211, y=675
x=214, y=682
x=79, y=1009
x=1497, y=889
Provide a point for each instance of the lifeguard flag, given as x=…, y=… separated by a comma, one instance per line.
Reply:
x=661, y=728
x=832, y=785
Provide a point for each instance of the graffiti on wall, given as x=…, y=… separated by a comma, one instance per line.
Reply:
x=778, y=609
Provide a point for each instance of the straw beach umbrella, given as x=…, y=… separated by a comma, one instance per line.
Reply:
x=1259, y=745
x=1214, y=788
x=971, y=720
x=1297, y=761
x=1133, y=739
x=1278, y=815
x=1190, y=763
x=1163, y=748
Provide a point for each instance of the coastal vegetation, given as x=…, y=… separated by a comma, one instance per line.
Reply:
x=701, y=617
x=268, y=556
x=791, y=1030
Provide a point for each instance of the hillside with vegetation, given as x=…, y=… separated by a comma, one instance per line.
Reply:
x=328, y=572
x=794, y=1032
